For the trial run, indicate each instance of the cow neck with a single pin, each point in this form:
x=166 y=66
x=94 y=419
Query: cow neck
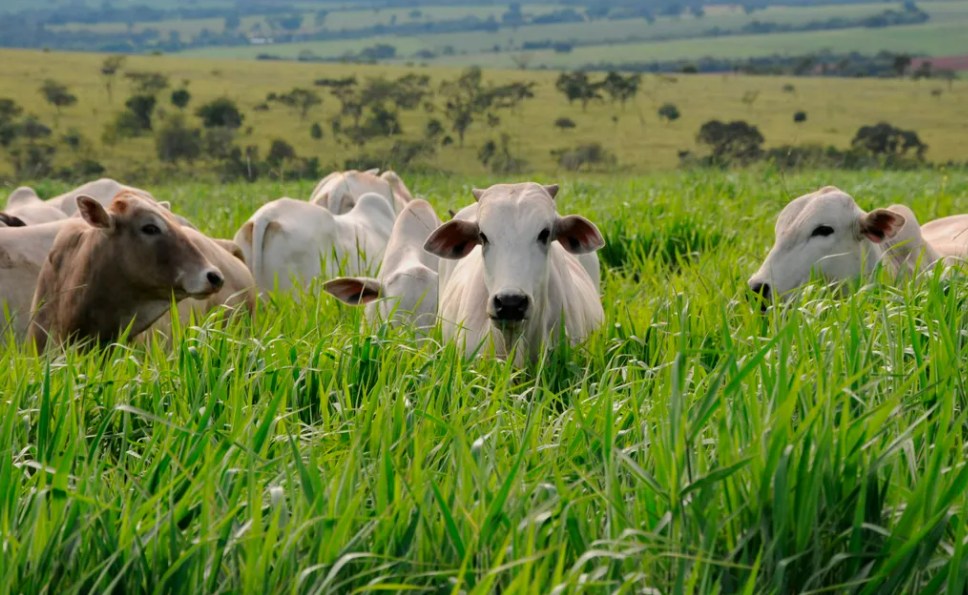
x=904 y=260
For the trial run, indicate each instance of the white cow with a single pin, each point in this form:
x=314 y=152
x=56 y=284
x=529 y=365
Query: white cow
x=516 y=277
x=825 y=231
x=948 y=236
x=103 y=191
x=24 y=204
x=291 y=242
x=407 y=282
x=339 y=191
x=23 y=251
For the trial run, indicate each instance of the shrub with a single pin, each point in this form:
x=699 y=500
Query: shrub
x=669 y=112
x=800 y=117
x=180 y=98
x=176 y=141
x=590 y=155
x=564 y=123
x=221 y=112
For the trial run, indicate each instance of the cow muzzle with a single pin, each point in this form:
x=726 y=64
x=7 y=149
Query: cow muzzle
x=509 y=307
x=204 y=283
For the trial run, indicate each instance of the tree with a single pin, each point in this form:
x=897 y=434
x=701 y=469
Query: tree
x=147 y=83
x=901 y=63
x=9 y=129
x=141 y=107
x=180 y=98
x=800 y=117
x=109 y=70
x=885 y=140
x=669 y=112
x=576 y=86
x=620 y=88
x=467 y=99
x=57 y=95
x=730 y=142
x=221 y=112
x=279 y=153
x=316 y=131
x=175 y=141
x=498 y=158
x=300 y=100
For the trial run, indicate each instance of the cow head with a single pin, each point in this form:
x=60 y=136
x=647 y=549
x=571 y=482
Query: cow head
x=515 y=228
x=824 y=232
x=148 y=248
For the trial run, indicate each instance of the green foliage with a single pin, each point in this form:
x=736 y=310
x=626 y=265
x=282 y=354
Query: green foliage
x=669 y=112
x=180 y=98
x=221 y=113
x=176 y=141
x=57 y=94
x=589 y=156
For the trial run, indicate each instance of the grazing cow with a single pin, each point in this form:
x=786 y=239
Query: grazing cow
x=516 y=277
x=827 y=232
x=237 y=293
x=24 y=204
x=116 y=267
x=407 y=282
x=8 y=220
x=339 y=191
x=23 y=251
x=291 y=242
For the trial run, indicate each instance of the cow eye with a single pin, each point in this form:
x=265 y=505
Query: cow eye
x=543 y=236
x=822 y=230
x=483 y=240
x=150 y=229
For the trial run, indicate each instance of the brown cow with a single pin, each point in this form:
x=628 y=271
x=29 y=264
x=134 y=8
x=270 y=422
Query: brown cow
x=116 y=267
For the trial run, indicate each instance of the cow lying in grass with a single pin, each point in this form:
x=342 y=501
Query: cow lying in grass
x=511 y=277
x=116 y=267
x=826 y=233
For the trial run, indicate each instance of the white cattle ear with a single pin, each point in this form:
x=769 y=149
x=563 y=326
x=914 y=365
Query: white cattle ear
x=165 y=204
x=454 y=239
x=880 y=224
x=478 y=192
x=354 y=291
x=578 y=235
x=93 y=212
x=552 y=189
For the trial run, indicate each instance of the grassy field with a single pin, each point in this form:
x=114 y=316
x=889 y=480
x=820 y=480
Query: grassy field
x=641 y=142
x=635 y=40
x=692 y=445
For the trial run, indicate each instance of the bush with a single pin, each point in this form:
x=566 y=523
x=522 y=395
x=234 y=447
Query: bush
x=885 y=140
x=564 y=123
x=221 y=112
x=279 y=152
x=180 y=98
x=141 y=107
x=800 y=117
x=734 y=142
x=176 y=141
x=669 y=112
x=316 y=131
x=590 y=155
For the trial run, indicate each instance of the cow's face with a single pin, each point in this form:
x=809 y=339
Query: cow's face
x=825 y=232
x=149 y=250
x=516 y=225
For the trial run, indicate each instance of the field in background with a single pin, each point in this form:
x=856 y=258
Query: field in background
x=632 y=40
x=692 y=444
x=836 y=108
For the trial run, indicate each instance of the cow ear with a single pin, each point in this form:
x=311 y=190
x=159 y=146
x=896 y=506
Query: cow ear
x=165 y=204
x=454 y=239
x=478 y=193
x=355 y=291
x=552 y=190
x=578 y=235
x=880 y=224
x=93 y=212
x=11 y=220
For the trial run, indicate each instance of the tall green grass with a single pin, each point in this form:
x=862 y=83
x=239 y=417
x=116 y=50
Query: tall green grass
x=692 y=445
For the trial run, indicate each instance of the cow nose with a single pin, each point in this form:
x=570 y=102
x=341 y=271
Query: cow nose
x=215 y=278
x=760 y=289
x=510 y=306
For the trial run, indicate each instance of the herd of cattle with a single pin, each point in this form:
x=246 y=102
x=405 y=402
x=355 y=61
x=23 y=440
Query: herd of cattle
x=504 y=271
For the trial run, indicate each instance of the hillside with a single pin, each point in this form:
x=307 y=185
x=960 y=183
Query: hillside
x=636 y=135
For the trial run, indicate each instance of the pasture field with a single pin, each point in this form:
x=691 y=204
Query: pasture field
x=631 y=40
x=692 y=445
x=836 y=108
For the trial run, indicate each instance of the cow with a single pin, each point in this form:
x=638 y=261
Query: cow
x=405 y=290
x=23 y=251
x=24 y=204
x=289 y=242
x=115 y=268
x=827 y=233
x=339 y=191
x=948 y=236
x=103 y=191
x=516 y=277
x=237 y=294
